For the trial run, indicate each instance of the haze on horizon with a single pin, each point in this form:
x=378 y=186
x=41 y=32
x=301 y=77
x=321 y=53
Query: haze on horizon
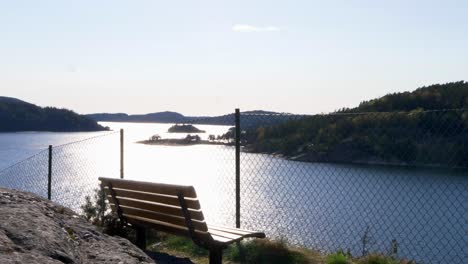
x=209 y=57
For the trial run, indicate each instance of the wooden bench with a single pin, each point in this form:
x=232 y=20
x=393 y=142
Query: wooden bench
x=173 y=209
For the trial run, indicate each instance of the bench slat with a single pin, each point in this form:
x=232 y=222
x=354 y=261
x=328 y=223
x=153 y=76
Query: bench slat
x=157 y=188
x=170 y=219
x=165 y=227
x=160 y=208
x=224 y=234
x=233 y=231
x=237 y=231
x=151 y=197
x=221 y=239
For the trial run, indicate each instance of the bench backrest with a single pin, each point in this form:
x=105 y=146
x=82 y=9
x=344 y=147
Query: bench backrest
x=156 y=203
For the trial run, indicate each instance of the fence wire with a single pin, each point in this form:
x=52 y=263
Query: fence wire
x=76 y=167
x=214 y=172
x=29 y=174
x=391 y=183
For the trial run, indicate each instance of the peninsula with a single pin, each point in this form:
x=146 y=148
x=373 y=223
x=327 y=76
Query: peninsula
x=17 y=115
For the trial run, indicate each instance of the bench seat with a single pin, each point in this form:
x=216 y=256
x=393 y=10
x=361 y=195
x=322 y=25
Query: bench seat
x=173 y=209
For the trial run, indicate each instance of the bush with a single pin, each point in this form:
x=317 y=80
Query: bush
x=338 y=258
x=96 y=210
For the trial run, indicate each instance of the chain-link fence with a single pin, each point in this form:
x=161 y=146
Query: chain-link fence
x=211 y=163
x=73 y=169
x=77 y=166
x=393 y=183
x=29 y=174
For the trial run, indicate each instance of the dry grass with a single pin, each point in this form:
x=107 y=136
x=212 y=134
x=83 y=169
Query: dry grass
x=256 y=251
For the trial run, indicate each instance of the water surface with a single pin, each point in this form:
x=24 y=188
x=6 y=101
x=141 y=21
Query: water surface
x=318 y=205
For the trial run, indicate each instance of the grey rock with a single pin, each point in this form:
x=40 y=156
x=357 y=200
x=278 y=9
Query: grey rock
x=35 y=230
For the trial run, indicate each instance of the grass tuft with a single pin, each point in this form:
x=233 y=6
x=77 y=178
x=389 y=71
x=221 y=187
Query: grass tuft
x=184 y=244
x=377 y=259
x=258 y=251
x=338 y=258
x=264 y=251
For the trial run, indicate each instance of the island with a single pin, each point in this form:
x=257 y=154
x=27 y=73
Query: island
x=184 y=129
x=189 y=140
x=17 y=115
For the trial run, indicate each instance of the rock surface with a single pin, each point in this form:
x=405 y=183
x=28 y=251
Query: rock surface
x=35 y=230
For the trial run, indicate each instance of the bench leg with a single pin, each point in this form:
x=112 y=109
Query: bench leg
x=216 y=255
x=141 y=237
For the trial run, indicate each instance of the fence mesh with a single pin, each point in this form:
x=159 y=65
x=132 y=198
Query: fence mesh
x=392 y=183
x=76 y=167
x=28 y=175
x=213 y=175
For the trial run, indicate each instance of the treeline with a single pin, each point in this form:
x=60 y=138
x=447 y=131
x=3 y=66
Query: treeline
x=404 y=128
x=17 y=115
x=434 y=97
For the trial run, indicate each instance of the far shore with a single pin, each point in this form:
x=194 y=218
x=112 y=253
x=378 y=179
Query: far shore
x=182 y=142
x=298 y=158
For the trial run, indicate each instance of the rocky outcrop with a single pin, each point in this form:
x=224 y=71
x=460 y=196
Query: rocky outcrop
x=35 y=230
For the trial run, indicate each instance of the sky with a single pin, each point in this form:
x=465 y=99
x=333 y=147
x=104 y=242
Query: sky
x=202 y=57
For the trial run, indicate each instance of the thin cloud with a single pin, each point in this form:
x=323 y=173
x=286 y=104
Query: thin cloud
x=244 y=28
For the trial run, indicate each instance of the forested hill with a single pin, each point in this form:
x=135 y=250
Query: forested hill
x=394 y=129
x=174 y=117
x=17 y=115
x=452 y=95
x=160 y=117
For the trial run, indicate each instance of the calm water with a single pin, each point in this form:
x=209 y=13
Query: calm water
x=323 y=206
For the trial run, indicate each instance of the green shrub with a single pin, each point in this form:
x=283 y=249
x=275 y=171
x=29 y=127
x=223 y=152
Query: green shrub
x=97 y=211
x=183 y=244
x=338 y=258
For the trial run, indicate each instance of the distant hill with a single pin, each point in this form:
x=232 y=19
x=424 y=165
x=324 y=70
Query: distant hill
x=17 y=115
x=173 y=117
x=161 y=117
x=248 y=118
x=11 y=100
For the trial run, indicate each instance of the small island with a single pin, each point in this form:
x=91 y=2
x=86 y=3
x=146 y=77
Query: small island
x=184 y=129
x=187 y=141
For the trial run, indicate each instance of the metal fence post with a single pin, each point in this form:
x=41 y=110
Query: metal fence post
x=121 y=153
x=49 y=178
x=238 y=131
